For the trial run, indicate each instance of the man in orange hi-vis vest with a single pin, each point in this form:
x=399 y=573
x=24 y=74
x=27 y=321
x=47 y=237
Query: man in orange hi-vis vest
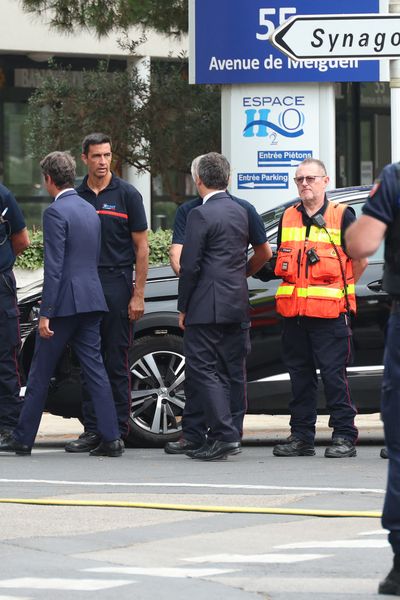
x=316 y=299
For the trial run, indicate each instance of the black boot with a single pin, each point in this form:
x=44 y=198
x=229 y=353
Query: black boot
x=391 y=584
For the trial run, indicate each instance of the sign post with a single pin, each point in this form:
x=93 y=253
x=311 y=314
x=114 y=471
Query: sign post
x=276 y=109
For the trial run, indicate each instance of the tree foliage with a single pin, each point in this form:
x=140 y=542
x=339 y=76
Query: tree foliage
x=159 y=127
x=62 y=110
x=104 y=16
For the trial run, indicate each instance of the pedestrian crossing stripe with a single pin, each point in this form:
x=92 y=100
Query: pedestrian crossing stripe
x=49 y=583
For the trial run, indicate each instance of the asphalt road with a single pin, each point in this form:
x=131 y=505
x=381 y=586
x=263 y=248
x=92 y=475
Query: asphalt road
x=123 y=552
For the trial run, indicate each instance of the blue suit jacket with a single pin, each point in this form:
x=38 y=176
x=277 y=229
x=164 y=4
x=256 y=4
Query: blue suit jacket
x=212 y=281
x=71 y=231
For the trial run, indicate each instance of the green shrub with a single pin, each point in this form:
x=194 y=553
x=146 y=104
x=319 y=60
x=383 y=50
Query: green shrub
x=159 y=242
x=32 y=258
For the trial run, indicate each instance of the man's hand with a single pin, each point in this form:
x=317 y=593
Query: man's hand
x=44 y=329
x=136 y=307
x=182 y=320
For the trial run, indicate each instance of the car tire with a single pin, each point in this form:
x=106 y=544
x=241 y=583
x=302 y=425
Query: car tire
x=157 y=366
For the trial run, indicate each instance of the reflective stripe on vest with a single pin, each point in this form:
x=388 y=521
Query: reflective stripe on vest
x=314 y=290
x=306 y=285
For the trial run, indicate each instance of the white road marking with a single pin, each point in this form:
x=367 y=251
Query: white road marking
x=376 y=532
x=178 y=573
x=255 y=558
x=138 y=484
x=42 y=583
x=336 y=544
x=14 y=597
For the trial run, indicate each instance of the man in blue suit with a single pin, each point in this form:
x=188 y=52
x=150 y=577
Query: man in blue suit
x=213 y=303
x=71 y=309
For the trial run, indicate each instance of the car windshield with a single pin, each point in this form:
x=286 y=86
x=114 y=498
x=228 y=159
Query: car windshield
x=271 y=217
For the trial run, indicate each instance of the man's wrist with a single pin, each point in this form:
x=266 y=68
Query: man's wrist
x=137 y=292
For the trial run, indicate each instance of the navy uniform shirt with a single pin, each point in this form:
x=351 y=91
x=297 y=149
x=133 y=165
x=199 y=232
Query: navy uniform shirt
x=121 y=211
x=384 y=199
x=13 y=222
x=257 y=233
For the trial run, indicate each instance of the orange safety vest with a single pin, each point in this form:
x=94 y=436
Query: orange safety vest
x=313 y=290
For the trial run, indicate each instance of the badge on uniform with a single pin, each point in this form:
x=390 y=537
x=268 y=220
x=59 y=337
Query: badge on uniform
x=375 y=188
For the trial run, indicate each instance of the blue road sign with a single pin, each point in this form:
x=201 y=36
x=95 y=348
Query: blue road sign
x=251 y=181
x=230 y=42
x=282 y=158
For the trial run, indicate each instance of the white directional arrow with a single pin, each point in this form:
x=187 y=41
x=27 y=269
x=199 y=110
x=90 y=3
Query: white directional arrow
x=366 y=36
x=265 y=185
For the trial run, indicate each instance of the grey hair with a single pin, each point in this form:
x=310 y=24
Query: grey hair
x=61 y=167
x=194 y=168
x=94 y=139
x=214 y=171
x=314 y=161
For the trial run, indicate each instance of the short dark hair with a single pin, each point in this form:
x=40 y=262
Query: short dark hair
x=214 y=170
x=61 y=167
x=93 y=139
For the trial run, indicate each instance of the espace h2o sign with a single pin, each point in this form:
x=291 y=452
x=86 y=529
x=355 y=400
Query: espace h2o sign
x=276 y=132
x=229 y=43
x=289 y=122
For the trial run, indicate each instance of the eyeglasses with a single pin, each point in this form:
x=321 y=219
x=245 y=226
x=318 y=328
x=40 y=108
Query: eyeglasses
x=309 y=179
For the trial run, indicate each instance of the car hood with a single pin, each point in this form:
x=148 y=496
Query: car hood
x=33 y=290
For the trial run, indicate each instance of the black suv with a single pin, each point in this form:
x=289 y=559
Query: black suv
x=158 y=364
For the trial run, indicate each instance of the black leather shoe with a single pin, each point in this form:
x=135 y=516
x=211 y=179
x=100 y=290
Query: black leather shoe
x=88 y=440
x=9 y=444
x=217 y=450
x=341 y=448
x=114 y=448
x=294 y=447
x=391 y=584
x=181 y=446
x=192 y=453
x=384 y=453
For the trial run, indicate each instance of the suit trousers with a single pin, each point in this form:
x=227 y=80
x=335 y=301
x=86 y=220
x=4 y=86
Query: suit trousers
x=324 y=344
x=10 y=385
x=116 y=339
x=215 y=381
x=82 y=331
x=390 y=411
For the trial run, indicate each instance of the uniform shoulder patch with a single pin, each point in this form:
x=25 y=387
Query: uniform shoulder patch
x=375 y=188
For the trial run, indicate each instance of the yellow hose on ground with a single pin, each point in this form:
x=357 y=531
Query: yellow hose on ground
x=309 y=512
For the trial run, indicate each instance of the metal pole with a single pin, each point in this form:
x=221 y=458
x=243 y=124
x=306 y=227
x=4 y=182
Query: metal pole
x=394 y=7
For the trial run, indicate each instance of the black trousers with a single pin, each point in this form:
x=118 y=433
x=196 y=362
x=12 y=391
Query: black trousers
x=215 y=382
x=390 y=412
x=116 y=339
x=10 y=403
x=325 y=344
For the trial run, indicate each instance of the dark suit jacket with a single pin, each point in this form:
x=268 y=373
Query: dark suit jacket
x=212 y=282
x=71 y=231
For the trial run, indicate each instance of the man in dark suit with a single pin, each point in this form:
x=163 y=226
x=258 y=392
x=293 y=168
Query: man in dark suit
x=213 y=304
x=71 y=309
